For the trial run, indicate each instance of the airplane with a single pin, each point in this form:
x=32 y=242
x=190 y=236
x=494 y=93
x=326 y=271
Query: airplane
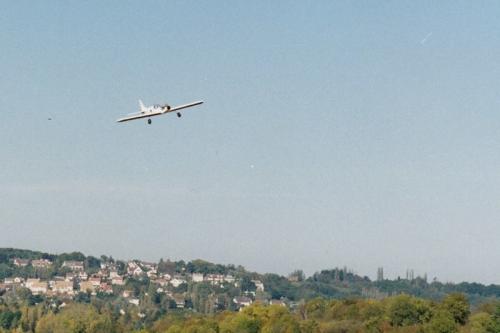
x=156 y=110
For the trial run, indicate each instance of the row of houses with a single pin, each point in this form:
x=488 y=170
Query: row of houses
x=37 y=263
x=58 y=286
x=77 y=278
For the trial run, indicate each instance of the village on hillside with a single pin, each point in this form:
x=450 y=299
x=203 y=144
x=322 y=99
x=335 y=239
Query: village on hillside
x=118 y=280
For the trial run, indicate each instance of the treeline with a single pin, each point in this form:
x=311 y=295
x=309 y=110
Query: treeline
x=398 y=314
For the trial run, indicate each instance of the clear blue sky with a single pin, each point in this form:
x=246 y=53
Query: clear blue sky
x=334 y=133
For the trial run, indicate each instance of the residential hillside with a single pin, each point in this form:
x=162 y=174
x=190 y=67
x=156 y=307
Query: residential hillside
x=41 y=292
x=200 y=285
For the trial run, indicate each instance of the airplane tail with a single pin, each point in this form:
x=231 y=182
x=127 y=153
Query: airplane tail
x=141 y=106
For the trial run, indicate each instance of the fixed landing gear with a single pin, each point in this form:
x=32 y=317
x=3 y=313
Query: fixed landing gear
x=149 y=121
x=179 y=114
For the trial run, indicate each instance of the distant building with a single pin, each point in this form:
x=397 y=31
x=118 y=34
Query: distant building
x=229 y=278
x=70 y=276
x=36 y=286
x=410 y=274
x=118 y=280
x=242 y=301
x=259 y=285
x=14 y=280
x=21 y=262
x=106 y=288
x=177 y=281
x=180 y=301
x=87 y=286
x=63 y=287
x=215 y=278
x=41 y=263
x=277 y=302
x=95 y=280
x=197 y=277
x=380 y=274
x=113 y=273
x=134 y=301
x=149 y=265
x=136 y=271
x=74 y=265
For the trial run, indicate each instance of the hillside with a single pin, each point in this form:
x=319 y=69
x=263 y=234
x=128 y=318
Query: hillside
x=71 y=292
x=196 y=279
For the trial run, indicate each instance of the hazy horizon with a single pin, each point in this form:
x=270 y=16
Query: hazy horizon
x=333 y=133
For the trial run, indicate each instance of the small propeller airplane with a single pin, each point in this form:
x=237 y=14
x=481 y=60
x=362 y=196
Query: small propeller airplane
x=156 y=110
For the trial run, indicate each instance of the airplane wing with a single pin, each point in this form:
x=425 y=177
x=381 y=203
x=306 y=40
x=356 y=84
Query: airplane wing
x=139 y=116
x=180 y=107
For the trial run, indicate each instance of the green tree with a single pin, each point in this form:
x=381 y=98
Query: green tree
x=442 y=322
x=458 y=306
x=77 y=318
x=479 y=322
x=403 y=311
x=494 y=325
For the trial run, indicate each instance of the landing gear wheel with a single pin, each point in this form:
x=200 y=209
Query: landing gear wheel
x=179 y=114
x=149 y=121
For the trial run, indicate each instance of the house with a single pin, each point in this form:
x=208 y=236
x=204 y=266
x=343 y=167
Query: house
x=63 y=287
x=74 y=265
x=127 y=293
x=105 y=265
x=14 y=280
x=177 y=281
x=259 y=285
x=133 y=268
x=70 y=276
x=197 y=277
x=83 y=275
x=136 y=272
x=106 y=288
x=36 y=286
x=161 y=282
x=41 y=263
x=117 y=281
x=148 y=265
x=29 y=282
x=152 y=274
x=242 y=301
x=87 y=286
x=95 y=280
x=103 y=273
x=21 y=262
x=279 y=302
x=180 y=301
x=229 y=278
x=113 y=273
x=214 y=278
x=134 y=301
x=132 y=265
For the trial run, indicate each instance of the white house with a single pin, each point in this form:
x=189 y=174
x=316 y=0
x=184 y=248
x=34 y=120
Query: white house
x=41 y=263
x=63 y=287
x=242 y=301
x=259 y=285
x=118 y=280
x=74 y=265
x=177 y=282
x=197 y=277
